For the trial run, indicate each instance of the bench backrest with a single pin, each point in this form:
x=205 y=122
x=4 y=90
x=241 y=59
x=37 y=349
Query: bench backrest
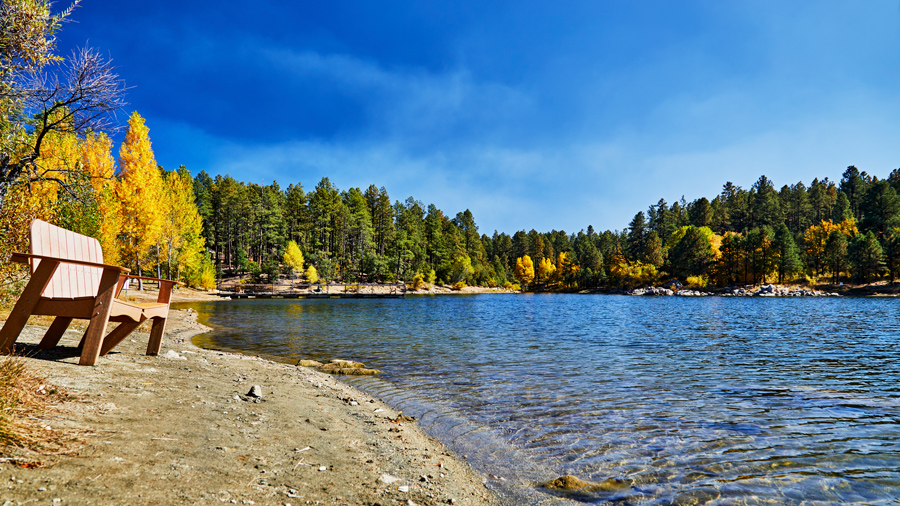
x=69 y=281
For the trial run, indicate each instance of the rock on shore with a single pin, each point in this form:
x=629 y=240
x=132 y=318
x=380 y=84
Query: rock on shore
x=760 y=291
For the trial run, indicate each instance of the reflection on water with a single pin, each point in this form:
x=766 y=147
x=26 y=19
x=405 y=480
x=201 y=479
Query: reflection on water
x=681 y=401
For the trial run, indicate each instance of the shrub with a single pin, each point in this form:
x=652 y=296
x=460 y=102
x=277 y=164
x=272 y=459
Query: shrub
x=25 y=400
x=697 y=281
x=459 y=285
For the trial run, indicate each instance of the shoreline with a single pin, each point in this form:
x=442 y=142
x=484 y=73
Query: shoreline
x=181 y=427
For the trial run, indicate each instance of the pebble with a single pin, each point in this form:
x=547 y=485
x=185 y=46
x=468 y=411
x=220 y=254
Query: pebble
x=403 y=488
x=388 y=479
x=42 y=489
x=323 y=468
x=255 y=391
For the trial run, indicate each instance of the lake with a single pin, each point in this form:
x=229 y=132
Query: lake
x=667 y=400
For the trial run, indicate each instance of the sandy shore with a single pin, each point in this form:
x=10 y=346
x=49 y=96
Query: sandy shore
x=181 y=428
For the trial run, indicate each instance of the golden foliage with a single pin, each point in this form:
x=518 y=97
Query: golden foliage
x=817 y=235
x=524 y=269
x=546 y=270
x=631 y=274
x=312 y=276
x=140 y=194
x=293 y=258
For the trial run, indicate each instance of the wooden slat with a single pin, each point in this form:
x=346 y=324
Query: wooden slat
x=70 y=280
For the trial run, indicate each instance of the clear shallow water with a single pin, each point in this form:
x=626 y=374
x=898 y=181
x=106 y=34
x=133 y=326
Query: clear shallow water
x=679 y=400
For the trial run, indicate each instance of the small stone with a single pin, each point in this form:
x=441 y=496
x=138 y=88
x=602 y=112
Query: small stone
x=198 y=386
x=354 y=403
x=236 y=397
x=255 y=391
x=410 y=503
x=323 y=468
x=403 y=488
x=57 y=500
x=42 y=489
x=388 y=479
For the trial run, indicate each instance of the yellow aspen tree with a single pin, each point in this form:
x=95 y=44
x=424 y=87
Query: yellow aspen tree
x=816 y=236
x=546 y=269
x=98 y=163
x=181 y=238
x=140 y=195
x=524 y=269
x=312 y=275
x=293 y=258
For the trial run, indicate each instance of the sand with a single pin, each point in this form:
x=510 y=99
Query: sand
x=180 y=428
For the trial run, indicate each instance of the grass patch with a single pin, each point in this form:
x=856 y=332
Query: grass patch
x=27 y=403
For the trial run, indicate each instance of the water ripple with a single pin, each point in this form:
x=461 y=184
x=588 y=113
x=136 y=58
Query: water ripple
x=679 y=401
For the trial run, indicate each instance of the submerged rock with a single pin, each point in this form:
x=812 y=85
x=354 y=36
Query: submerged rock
x=339 y=367
x=569 y=483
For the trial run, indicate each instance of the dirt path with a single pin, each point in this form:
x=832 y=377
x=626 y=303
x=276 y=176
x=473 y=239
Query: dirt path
x=180 y=429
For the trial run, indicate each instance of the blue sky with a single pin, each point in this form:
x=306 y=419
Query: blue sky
x=545 y=115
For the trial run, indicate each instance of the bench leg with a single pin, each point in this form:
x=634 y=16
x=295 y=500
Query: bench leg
x=156 y=335
x=93 y=338
x=117 y=336
x=18 y=317
x=55 y=332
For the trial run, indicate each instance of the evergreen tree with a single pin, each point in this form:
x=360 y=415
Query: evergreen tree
x=296 y=215
x=891 y=249
x=653 y=254
x=637 y=236
x=841 y=210
x=853 y=185
x=866 y=256
x=822 y=196
x=836 y=254
x=762 y=254
x=691 y=255
x=880 y=208
x=788 y=254
x=765 y=209
x=728 y=268
x=700 y=213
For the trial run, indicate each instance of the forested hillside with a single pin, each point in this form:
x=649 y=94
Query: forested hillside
x=826 y=231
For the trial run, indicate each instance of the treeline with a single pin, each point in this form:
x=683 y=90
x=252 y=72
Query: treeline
x=826 y=231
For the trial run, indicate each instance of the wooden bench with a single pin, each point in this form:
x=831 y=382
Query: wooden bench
x=69 y=280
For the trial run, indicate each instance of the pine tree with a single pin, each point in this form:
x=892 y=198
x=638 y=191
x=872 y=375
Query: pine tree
x=836 y=254
x=866 y=256
x=637 y=236
x=788 y=255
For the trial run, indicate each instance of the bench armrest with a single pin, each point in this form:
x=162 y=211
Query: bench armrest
x=145 y=278
x=23 y=258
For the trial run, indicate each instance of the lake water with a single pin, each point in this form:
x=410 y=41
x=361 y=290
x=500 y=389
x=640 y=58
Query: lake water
x=666 y=400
